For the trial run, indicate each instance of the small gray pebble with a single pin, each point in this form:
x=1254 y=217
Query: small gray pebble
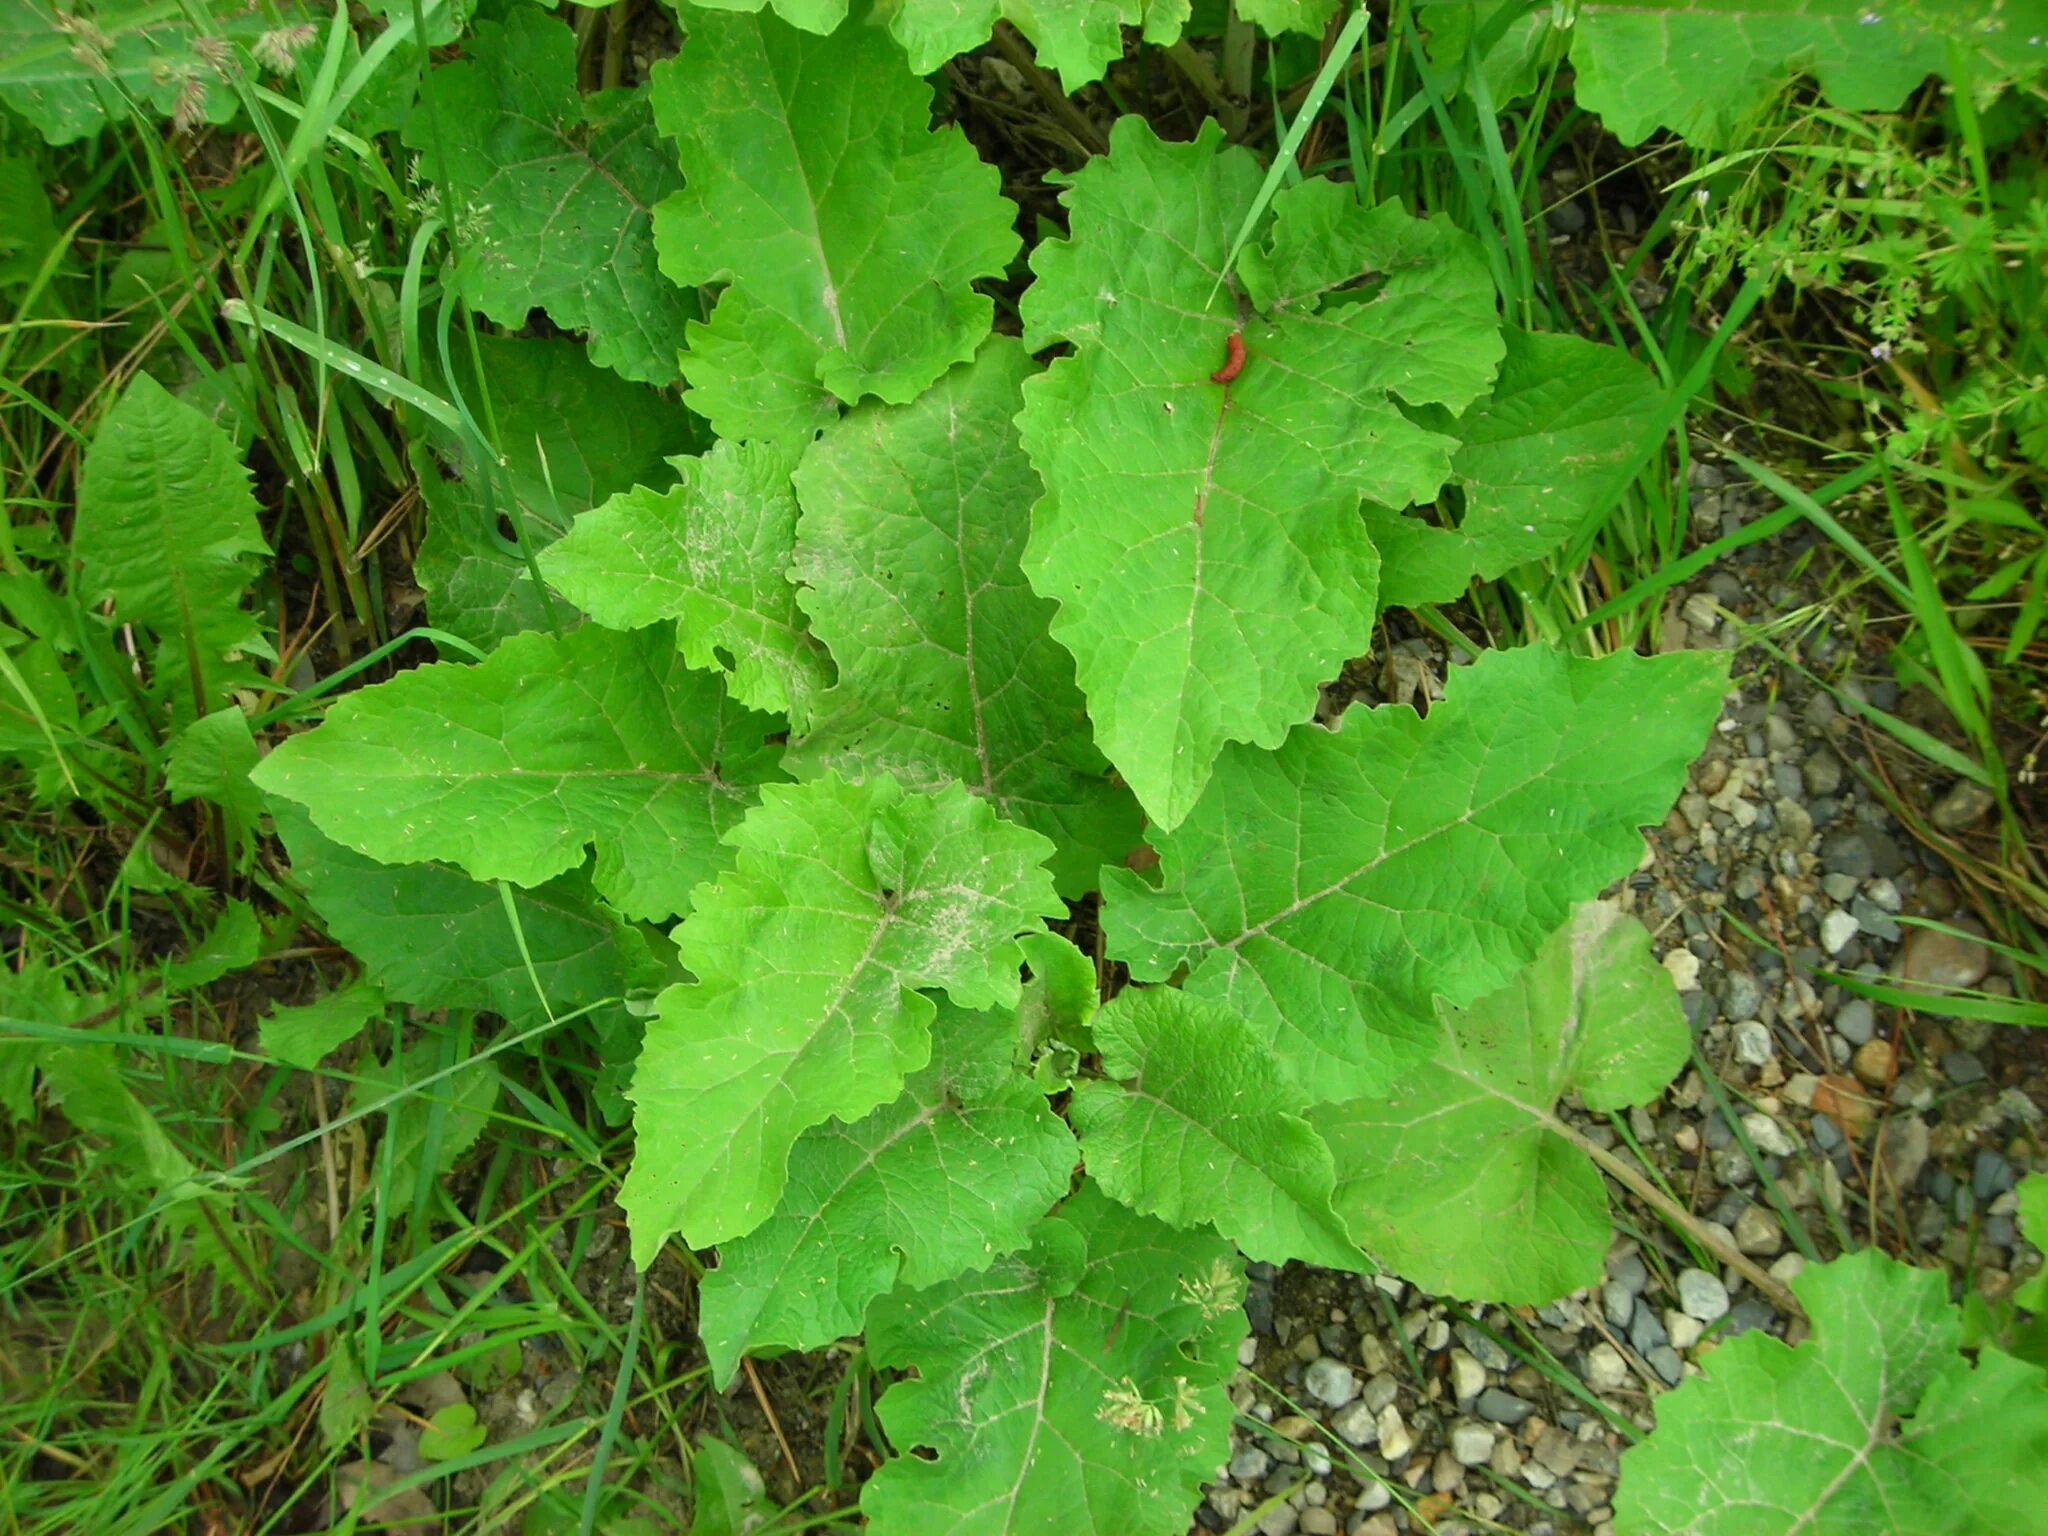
x=1790 y=782
x=1250 y=1464
x=1752 y=1043
x=1646 y=1329
x=1751 y=1313
x=1486 y=1351
x=1617 y=1301
x=1874 y=920
x=1742 y=996
x=1856 y=1020
x=1826 y=1134
x=1629 y=1271
x=1940 y=1184
x=1733 y=1168
x=1503 y=1407
x=1665 y=1362
x=1566 y=218
x=1380 y=1391
x=1715 y=1130
x=1998 y=1231
x=1839 y=887
x=1990 y=1175
x=1258 y=1306
x=1329 y=1382
x=1356 y=1423
x=1702 y=1295
x=1962 y=1068
x=1823 y=771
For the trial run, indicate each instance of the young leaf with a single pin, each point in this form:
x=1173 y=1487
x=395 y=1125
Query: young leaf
x=1077 y=1388
x=165 y=521
x=1533 y=457
x=1874 y=1424
x=453 y=1431
x=846 y=898
x=555 y=190
x=711 y=553
x=1331 y=891
x=1187 y=1137
x=939 y=1181
x=568 y=435
x=849 y=232
x=211 y=759
x=1203 y=540
x=1059 y=1001
x=302 y=1036
x=431 y=936
x=509 y=769
x=1471 y=1145
x=913 y=520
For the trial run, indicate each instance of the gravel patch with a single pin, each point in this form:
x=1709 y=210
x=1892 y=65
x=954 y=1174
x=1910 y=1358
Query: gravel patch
x=1779 y=864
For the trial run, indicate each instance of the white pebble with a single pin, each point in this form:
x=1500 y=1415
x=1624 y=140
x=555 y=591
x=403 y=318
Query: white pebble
x=1702 y=1295
x=1605 y=1368
x=1471 y=1443
x=1837 y=929
x=1395 y=1439
x=1752 y=1042
x=1329 y=1382
x=1767 y=1136
x=1684 y=967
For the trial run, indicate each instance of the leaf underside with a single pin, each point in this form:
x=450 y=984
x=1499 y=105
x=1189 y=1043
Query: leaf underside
x=1470 y=1145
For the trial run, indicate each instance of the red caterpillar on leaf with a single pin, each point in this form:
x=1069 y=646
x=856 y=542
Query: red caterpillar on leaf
x=1233 y=363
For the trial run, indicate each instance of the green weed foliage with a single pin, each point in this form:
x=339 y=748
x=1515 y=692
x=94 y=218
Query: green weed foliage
x=861 y=703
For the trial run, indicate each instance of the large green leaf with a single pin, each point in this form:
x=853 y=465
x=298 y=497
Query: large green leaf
x=431 y=936
x=568 y=435
x=1330 y=891
x=809 y=953
x=848 y=231
x=1078 y=38
x=511 y=768
x=1533 y=459
x=1471 y=1144
x=1194 y=1132
x=939 y=1181
x=1875 y=1426
x=1077 y=1388
x=913 y=520
x=1204 y=542
x=1703 y=68
x=70 y=69
x=712 y=554
x=165 y=524
x=555 y=191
